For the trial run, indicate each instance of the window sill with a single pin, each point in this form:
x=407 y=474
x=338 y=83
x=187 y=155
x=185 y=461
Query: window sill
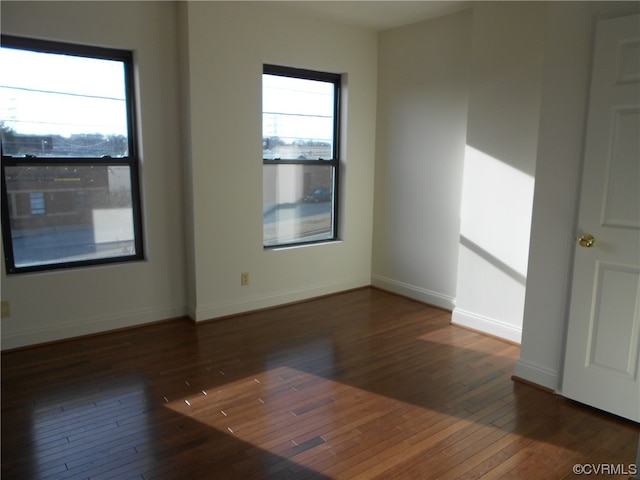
x=305 y=245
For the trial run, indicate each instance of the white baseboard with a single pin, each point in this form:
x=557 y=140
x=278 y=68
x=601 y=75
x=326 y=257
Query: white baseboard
x=487 y=325
x=282 y=298
x=537 y=374
x=110 y=322
x=90 y=326
x=412 y=291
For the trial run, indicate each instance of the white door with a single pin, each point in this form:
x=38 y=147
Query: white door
x=602 y=362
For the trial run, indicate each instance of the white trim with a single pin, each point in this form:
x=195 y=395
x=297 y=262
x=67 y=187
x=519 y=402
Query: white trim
x=487 y=325
x=137 y=318
x=537 y=374
x=281 y=298
x=414 y=292
x=95 y=325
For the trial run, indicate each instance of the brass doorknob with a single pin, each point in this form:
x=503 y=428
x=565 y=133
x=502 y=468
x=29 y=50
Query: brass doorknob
x=586 y=241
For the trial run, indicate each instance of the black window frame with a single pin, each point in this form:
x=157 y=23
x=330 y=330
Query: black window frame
x=131 y=161
x=334 y=162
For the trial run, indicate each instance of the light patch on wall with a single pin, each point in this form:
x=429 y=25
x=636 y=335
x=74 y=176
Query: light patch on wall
x=497 y=202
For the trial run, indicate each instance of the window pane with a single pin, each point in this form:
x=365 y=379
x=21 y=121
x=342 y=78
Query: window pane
x=298 y=203
x=297 y=118
x=69 y=214
x=56 y=105
x=37 y=203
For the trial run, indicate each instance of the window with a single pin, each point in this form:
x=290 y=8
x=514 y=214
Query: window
x=300 y=115
x=70 y=193
x=37 y=203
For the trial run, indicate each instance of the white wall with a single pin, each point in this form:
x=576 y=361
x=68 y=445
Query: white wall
x=228 y=44
x=200 y=120
x=423 y=93
x=504 y=108
x=458 y=113
x=529 y=70
x=51 y=306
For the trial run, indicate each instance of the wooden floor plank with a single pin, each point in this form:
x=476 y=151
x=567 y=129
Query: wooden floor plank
x=363 y=384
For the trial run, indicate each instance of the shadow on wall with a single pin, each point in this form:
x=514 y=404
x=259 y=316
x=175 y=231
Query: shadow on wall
x=495 y=261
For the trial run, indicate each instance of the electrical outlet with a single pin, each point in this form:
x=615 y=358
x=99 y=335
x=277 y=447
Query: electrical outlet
x=244 y=279
x=6 y=308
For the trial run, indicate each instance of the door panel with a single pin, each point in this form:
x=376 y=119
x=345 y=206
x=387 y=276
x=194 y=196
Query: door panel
x=622 y=196
x=613 y=332
x=602 y=360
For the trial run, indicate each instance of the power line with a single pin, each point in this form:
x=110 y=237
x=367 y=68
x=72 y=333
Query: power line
x=297 y=114
x=62 y=93
x=41 y=122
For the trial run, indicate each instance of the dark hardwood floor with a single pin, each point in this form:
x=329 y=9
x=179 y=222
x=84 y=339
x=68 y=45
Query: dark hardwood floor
x=363 y=384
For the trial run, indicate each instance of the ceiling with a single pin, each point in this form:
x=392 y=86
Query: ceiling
x=378 y=15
